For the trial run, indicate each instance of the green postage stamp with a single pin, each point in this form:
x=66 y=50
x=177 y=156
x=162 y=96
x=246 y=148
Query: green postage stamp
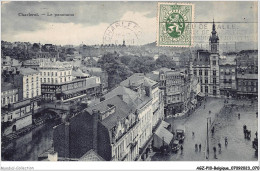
x=174 y=22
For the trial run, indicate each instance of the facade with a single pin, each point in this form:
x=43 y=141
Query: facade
x=119 y=128
x=16 y=116
x=28 y=83
x=9 y=94
x=78 y=89
x=175 y=88
x=227 y=78
x=206 y=66
x=247 y=74
x=55 y=72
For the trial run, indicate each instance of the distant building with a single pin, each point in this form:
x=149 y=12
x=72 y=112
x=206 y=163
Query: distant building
x=227 y=78
x=78 y=89
x=55 y=72
x=9 y=94
x=247 y=74
x=28 y=82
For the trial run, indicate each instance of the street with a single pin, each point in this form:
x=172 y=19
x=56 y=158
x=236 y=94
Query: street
x=226 y=125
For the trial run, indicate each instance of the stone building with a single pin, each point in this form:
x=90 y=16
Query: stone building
x=16 y=116
x=247 y=74
x=27 y=81
x=9 y=94
x=55 y=72
x=227 y=78
x=206 y=66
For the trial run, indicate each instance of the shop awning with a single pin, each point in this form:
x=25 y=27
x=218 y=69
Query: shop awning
x=165 y=124
x=164 y=134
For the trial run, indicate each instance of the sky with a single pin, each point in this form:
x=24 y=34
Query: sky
x=91 y=19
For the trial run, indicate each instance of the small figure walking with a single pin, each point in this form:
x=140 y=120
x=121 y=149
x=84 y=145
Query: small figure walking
x=256 y=134
x=226 y=141
x=215 y=149
x=238 y=115
x=200 y=147
x=181 y=149
x=193 y=134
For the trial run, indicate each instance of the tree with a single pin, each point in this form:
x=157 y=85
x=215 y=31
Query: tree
x=36 y=47
x=116 y=70
x=142 y=64
x=164 y=61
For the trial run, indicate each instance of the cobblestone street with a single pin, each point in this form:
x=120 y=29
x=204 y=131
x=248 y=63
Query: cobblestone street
x=226 y=124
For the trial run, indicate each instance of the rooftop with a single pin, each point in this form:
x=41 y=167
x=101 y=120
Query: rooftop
x=28 y=71
x=91 y=155
x=122 y=110
x=138 y=79
x=7 y=86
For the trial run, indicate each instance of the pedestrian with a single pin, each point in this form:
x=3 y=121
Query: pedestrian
x=226 y=141
x=256 y=114
x=238 y=115
x=181 y=148
x=200 y=147
x=204 y=106
x=193 y=134
x=256 y=134
x=215 y=149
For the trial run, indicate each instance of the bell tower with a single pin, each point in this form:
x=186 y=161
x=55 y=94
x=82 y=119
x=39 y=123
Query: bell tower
x=214 y=40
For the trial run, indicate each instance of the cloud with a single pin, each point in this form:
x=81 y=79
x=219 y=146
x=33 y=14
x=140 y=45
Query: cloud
x=92 y=18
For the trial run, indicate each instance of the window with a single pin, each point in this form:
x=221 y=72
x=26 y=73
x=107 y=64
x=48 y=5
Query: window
x=201 y=89
x=214 y=81
x=56 y=74
x=45 y=80
x=206 y=72
x=200 y=80
x=214 y=62
x=48 y=73
x=27 y=80
x=206 y=89
x=200 y=72
x=214 y=72
x=48 y=80
x=206 y=80
x=195 y=72
x=44 y=73
x=32 y=79
x=51 y=73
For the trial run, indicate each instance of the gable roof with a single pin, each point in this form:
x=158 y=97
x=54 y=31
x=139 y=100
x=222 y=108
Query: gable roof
x=137 y=79
x=122 y=110
x=28 y=71
x=91 y=155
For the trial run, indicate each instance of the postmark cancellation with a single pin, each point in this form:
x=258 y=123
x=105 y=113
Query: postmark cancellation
x=174 y=24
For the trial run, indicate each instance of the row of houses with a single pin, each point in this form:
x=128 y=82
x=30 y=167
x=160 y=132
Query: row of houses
x=120 y=127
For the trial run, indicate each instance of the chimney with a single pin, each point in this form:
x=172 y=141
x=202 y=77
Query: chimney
x=95 y=114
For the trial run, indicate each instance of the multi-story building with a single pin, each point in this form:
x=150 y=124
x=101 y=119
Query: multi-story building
x=78 y=89
x=247 y=74
x=206 y=66
x=16 y=116
x=120 y=127
x=175 y=88
x=9 y=94
x=227 y=78
x=28 y=83
x=55 y=72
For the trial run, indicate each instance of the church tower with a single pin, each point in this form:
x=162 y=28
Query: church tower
x=214 y=63
x=214 y=40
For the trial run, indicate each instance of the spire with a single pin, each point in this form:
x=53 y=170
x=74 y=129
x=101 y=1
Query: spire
x=213 y=27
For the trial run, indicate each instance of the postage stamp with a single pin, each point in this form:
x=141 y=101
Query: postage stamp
x=174 y=24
